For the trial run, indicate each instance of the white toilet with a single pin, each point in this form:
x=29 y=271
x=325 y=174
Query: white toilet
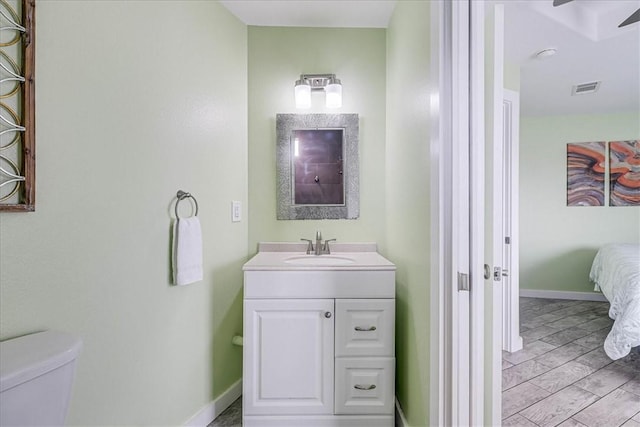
x=36 y=375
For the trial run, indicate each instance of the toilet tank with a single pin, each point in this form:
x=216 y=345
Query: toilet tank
x=36 y=375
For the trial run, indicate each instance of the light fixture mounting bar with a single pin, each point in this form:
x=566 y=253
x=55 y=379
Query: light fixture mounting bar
x=318 y=81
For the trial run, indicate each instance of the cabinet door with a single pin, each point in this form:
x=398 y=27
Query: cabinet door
x=288 y=356
x=365 y=327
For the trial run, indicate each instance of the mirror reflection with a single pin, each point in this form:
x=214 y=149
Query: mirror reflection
x=317 y=163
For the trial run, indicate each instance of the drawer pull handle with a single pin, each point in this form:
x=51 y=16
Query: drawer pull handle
x=363 y=329
x=364 y=387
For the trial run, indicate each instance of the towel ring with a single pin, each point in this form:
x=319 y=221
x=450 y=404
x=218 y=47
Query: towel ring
x=184 y=195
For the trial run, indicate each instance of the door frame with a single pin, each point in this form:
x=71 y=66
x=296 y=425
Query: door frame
x=477 y=209
x=494 y=155
x=511 y=339
x=457 y=153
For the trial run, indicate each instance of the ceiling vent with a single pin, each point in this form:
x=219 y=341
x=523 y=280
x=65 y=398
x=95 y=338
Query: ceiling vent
x=585 y=88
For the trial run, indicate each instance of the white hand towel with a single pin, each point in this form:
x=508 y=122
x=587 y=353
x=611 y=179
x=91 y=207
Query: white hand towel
x=187 y=251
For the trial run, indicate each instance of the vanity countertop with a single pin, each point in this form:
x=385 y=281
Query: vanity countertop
x=352 y=270
x=293 y=257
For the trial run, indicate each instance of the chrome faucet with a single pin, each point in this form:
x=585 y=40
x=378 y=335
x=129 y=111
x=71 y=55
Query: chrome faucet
x=309 y=246
x=326 y=249
x=318 y=243
x=318 y=248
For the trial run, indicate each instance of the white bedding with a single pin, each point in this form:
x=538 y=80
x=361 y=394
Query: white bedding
x=616 y=272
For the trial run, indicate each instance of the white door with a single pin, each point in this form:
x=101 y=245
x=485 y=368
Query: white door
x=457 y=365
x=290 y=367
x=511 y=340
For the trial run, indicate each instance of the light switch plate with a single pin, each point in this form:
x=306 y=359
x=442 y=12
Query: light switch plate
x=236 y=211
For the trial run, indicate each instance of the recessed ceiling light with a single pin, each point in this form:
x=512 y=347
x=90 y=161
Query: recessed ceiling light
x=545 y=53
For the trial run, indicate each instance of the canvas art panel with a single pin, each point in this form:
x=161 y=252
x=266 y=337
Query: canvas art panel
x=585 y=173
x=624 y=173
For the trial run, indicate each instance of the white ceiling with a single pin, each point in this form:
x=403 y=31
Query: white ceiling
x=589 y=45
x=313 y=13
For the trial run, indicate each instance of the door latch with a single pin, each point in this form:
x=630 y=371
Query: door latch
x=463 y=282
x=497 y=274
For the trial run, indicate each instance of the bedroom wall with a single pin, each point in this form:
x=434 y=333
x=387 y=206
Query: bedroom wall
x=558 y=242
x=511 y=76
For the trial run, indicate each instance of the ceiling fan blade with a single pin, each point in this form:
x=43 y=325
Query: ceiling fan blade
x=560 y=2
x=635 y=17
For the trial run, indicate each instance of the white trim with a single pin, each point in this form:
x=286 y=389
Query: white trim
x=458 y=176
x=494 y=145
x=580 y=296
x=401 y=420
x=511 y=339
x=477 y=214
x=439 y=400
x=210 y=412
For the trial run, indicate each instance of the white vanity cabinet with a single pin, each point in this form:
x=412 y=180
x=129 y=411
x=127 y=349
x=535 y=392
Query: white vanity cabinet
x=319 y=347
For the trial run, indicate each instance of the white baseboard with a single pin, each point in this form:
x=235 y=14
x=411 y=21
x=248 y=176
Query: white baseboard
x=581 y=296
x=401 y=420
x=210 y=411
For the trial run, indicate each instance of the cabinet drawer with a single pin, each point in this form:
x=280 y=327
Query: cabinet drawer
x=364 y=385
x=365 y=327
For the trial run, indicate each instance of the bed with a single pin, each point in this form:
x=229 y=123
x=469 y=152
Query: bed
x=616 y=273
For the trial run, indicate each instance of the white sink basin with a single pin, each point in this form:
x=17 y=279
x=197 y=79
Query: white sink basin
x=320 y=260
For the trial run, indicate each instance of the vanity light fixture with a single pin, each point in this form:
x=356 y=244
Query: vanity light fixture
x=318 y=82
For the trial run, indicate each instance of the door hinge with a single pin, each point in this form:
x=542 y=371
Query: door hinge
x=463 y=281
x=507 y=240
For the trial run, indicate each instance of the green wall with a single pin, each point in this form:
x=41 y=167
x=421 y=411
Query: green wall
x=127 y=115
x=384 y=76
x=558 y=243
x=135 y=100
x=408 y=200
x=511 y=76
x=277 y=57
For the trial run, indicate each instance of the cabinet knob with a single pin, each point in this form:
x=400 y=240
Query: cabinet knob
x=327 y=314
x=364 y=387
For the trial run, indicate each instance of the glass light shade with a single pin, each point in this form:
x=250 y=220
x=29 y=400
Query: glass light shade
x=334 y=94
x=303 y=94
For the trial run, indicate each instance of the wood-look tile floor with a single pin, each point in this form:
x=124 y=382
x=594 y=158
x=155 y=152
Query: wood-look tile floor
x=231 y=417
x=562 y=376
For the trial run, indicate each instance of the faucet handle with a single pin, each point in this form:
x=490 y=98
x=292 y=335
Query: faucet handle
x=327 y=249
x=309 y=246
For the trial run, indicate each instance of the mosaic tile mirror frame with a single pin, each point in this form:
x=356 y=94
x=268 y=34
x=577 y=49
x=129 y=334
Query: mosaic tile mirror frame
x=317 y=166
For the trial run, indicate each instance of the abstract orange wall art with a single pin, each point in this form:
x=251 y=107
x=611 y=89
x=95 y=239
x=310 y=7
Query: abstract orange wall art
x=585 y=174
x=624 y=173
